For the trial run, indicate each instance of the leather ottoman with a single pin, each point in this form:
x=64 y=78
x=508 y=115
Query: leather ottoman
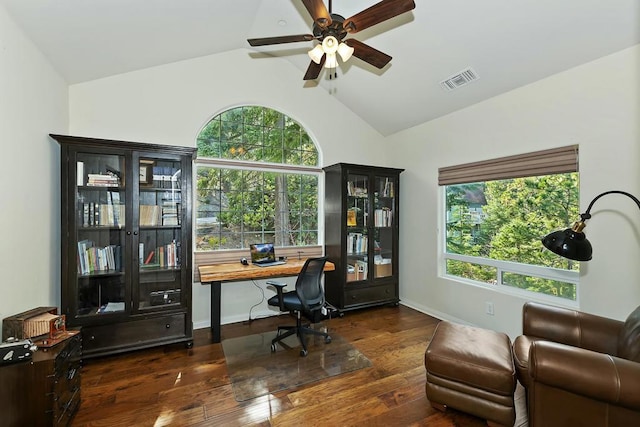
x=471 y=369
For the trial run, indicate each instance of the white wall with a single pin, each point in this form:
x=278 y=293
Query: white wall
x=33 y=103
x=169 y=105
x=597 y=106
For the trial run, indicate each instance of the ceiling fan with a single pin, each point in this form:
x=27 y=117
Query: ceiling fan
x=331 y=29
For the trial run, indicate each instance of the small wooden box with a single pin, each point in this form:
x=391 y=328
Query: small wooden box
x=14 y=326
x=383 y=270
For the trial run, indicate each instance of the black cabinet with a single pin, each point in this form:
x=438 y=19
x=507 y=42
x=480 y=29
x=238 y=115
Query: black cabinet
x=361 y=235
x=126 y=242
x=44 y=391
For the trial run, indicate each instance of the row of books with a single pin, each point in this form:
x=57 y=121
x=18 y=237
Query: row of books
x=383 y=217
x=102 y=180
x=162 y=256
x=153 y=215
x=357 y=243
x=105 y=214
x=93 y=259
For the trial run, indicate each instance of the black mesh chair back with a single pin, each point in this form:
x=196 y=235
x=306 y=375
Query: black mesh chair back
x=308 y=284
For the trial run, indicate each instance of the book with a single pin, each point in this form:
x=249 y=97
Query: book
x=80 y=174
x=351 y=217
x=149 y=257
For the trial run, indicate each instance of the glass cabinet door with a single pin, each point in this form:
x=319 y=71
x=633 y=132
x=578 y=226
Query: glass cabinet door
x=357 y=227
x=159 y=233
x=100 y=235
x=383 y=229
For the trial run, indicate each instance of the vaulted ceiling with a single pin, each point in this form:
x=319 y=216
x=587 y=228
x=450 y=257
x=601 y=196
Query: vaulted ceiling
x=506 y=43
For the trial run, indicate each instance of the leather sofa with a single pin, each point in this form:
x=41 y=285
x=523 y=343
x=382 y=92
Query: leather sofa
x=579 y=369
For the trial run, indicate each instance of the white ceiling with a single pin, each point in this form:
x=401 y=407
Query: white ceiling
x=509 y=43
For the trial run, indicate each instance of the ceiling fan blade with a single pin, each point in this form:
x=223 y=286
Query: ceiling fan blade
x=376 y=14
x=281 y=39
x=318 y=12
x=314 y=69
x=368 y=54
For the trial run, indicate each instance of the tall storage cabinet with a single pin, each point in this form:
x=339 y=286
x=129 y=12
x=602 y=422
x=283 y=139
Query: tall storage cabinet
x=126 y=243
x=361 y=235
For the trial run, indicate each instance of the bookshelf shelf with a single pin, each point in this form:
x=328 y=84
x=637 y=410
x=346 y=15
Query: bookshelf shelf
x=361 y=235
x=126 y=238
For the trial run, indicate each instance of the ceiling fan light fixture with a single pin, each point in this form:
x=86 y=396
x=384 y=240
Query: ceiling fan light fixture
x=345 y=51
x=332 y=61
x=330 y=45
x=316 y=54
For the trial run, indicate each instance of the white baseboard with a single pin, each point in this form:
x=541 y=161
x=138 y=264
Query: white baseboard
x=434 y=313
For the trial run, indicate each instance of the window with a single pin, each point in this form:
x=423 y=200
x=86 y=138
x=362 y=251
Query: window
x=493 y=225
x=257 y=181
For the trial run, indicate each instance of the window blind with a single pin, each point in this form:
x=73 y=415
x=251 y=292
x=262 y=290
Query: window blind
x=545 y=162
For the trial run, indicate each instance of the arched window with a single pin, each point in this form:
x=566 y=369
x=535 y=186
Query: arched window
x=257 y=181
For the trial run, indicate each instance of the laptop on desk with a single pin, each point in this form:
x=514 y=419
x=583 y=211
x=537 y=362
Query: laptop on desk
x=263 y=255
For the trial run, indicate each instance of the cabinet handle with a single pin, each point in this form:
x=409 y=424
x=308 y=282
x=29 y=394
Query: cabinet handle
x=167 y=326
x=71 y=374
x=128 y=233
x=135 y=233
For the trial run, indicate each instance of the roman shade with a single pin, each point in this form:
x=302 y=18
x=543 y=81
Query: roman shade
x=545 y=162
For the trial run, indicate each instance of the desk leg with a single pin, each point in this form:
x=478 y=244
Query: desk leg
x=215 y=311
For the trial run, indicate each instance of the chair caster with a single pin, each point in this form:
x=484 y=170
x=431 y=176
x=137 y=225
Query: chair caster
x=327 y=339
x=303 y=352
x=273 y=348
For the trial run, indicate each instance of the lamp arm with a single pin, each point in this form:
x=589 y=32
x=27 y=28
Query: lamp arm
x=587 y=214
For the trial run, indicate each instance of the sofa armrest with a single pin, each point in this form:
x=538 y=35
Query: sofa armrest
x=571 y=327
x=591 y=374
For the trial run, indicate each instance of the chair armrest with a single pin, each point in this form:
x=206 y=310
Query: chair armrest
x=279 y=286
x=587 y=373
x=571 y=327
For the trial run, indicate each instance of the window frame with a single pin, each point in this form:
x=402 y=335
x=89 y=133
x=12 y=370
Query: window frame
x=217 y=256
x=502 y=267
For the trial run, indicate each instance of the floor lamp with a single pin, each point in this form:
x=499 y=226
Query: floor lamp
x=572 y=243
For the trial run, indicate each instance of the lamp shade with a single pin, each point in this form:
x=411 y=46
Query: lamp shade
x=316 y=53
x=345 y=51
x=331 y=61
x=569 y=243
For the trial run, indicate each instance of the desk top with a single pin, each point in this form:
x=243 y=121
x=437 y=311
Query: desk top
x=234 y=271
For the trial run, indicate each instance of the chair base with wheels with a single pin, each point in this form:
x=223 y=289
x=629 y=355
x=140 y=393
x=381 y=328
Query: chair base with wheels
x=300 y=330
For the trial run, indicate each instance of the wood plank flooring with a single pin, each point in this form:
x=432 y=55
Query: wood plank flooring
x=175 y=386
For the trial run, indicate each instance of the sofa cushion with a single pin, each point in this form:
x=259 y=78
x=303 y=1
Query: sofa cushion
x=629 y=339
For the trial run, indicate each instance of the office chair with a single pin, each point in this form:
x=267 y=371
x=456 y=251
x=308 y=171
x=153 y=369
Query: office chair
x=307 y=300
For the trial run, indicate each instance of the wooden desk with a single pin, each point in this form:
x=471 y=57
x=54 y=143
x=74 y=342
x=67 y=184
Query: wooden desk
x=215 y=274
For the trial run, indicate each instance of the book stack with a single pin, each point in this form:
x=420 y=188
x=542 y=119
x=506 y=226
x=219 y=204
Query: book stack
x=103 y=180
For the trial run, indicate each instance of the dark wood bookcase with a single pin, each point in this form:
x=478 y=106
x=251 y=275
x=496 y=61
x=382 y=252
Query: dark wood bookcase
x=126 y=243
x=361 y=235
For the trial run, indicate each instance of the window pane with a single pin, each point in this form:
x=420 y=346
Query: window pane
x=246 y=208
x=505 y=220
x=544 y=286
x=478 y=272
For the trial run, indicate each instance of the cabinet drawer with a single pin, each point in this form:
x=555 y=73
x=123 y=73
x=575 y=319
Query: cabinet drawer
x=371 y=295
x=133 y=334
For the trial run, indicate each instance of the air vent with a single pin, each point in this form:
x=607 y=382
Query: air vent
x=460 y=79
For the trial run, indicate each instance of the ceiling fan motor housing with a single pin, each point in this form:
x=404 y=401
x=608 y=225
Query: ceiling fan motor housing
x=335 y=29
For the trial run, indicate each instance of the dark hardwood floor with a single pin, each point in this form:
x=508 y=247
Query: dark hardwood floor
x=175 y=386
